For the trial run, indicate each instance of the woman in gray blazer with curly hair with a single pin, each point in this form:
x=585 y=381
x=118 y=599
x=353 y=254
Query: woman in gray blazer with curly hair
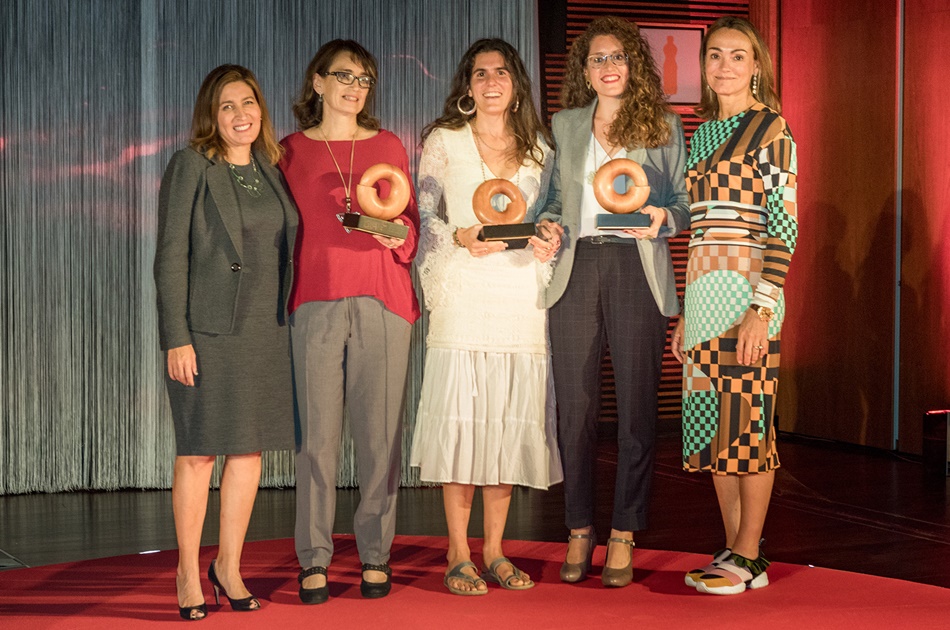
x=611 y=287
x=226 y=230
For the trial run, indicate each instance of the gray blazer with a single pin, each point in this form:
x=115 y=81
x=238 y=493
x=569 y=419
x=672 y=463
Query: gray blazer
x=198 y=257
x=666 y=171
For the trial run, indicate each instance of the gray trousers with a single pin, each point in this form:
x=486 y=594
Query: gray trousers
x=350 y=353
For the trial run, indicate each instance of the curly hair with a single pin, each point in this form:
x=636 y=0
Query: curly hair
x=205 y=137
x=765 y=91
x=523 y=119
x=641 y=120
x=308 y=108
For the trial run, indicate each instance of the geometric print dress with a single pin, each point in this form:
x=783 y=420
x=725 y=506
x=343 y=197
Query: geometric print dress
x=741 y=179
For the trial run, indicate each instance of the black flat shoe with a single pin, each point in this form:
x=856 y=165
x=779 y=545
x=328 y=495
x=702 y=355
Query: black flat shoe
x=193 y=613
x=246 y=604
x=313 y=595
x=375 y=590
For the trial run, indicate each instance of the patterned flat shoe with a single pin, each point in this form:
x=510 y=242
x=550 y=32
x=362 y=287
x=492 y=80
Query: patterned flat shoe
x=734 y=575
x=718 y=557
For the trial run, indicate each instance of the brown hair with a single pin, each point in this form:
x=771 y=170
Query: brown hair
x=308 y=108
x=205 y=137
x=641 y=120
x=524 y=122
x=709 y=104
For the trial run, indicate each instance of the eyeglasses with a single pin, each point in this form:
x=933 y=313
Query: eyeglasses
x=347 y=78
x=598 y=61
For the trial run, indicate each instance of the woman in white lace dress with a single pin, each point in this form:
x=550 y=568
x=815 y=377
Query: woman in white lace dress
x=486 y=415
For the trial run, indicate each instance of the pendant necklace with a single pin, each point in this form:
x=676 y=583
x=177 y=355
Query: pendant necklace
x=481 y=159
x=253 y=188
x=347 y=187
x=593 y=148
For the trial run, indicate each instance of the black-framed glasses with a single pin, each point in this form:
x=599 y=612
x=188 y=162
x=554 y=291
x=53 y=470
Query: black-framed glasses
x=598 y=61
x=347 y=78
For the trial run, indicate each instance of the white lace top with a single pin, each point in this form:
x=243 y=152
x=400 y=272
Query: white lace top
x=491 y=303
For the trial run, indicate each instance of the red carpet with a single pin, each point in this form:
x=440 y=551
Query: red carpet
x=139 y=591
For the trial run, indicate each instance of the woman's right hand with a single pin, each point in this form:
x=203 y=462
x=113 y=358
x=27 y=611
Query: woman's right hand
x=183 y=365
x=468 y=237
x=676 y=342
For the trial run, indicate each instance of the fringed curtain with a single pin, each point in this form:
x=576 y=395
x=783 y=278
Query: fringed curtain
x=95 y=96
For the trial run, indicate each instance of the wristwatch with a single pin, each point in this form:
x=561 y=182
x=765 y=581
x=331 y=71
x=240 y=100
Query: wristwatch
x=764 y=312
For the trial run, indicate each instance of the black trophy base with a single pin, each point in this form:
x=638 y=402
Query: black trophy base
x=363 y=223
x=516 y=234
x=618 y=222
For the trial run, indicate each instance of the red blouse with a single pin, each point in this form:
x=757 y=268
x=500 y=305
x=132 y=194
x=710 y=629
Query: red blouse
x=330 y=264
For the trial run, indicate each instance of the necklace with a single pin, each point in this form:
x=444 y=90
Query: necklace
x=481 y=159
x=347 y=186
x=482 y=140
x=607 y=157
x=253 y=188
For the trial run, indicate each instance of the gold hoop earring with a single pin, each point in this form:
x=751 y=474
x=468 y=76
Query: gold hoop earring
x=514 y=109
x=587 y=81
x=465 y=112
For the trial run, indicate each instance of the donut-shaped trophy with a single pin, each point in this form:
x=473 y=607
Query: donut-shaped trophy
x=504 y=225
x=380 y=212
x=622 y=206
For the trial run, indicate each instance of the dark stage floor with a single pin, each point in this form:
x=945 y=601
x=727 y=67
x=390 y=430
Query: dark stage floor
x=835 y=506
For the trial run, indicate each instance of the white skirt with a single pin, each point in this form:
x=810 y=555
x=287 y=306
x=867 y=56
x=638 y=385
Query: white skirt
x=487 y=418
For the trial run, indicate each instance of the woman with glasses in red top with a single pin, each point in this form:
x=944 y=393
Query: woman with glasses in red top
x=352 y=308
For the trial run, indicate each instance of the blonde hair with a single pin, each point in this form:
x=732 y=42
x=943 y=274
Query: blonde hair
x=765 y=90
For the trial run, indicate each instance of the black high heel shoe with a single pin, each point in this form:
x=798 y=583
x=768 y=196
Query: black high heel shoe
x=193 y=613
x=375 y=590
x=243 y=605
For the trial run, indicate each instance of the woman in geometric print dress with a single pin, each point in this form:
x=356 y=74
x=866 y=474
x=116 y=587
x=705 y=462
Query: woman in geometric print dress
x=741 y=178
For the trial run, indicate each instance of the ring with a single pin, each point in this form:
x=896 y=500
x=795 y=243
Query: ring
x=757 y=347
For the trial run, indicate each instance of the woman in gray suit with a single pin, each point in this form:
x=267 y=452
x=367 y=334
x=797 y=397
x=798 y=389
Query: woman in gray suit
x=613 y=287
x=226 y=230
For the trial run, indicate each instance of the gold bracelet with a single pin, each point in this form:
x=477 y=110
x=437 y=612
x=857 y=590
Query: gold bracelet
x=455 y=238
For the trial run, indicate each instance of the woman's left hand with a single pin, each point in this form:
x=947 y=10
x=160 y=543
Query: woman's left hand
x=545 y=248
x=753 y=343
x=657 y=220
x=391 y=243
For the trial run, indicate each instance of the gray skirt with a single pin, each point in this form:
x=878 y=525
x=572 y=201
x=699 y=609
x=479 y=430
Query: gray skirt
x=242 y=401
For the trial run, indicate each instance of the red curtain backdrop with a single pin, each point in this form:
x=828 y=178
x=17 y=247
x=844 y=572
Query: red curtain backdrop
x=925 y=226
x=839 y=88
